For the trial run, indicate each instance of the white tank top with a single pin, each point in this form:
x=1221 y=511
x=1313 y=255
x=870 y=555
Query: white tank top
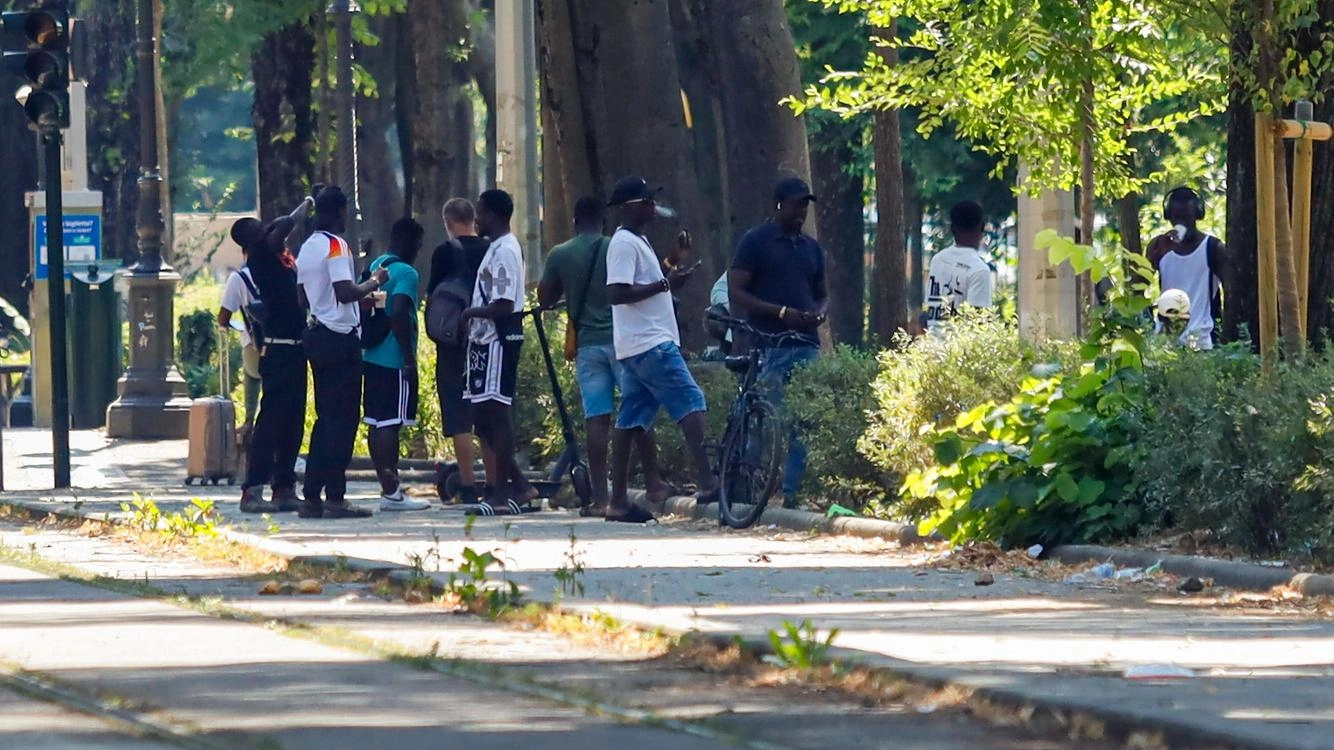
x=1190 y=273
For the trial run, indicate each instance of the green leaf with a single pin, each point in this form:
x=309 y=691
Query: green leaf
x=989 y=496
x=949 y=450
x=1066 y=487
x=1090 y=489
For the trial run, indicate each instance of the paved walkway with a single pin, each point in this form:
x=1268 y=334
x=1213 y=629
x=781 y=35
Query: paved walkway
x=1263 y=680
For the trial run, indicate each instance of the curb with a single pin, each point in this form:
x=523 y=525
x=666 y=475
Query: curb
x=799 y=520
x=1238 y=575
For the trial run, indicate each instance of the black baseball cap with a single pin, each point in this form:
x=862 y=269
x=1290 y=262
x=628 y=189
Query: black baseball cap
x=793 y=188
x=631 y=190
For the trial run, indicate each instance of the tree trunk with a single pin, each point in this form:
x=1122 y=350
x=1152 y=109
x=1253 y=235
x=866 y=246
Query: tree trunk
x=912 y=220
x=1127 y=223
x=697 y=65
x=405 y=102
x=163 y=148
x=284 y=128
x=626 y=93
x=1088 y=300
x=113 y=139
x=891 y=309
x=381 y=196
x=482 y=68
x=842 y=227
x=758 y=67
x=324 y=104
x=443 y=118
x=1241 y=310
x=1289 y=302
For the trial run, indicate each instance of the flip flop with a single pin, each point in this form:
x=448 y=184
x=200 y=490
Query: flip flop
x=635 y=514
x=593 y=511
x=484 y=508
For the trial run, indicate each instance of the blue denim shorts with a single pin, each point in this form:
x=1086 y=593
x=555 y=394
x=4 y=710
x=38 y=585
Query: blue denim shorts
x=658 y=378
x=598 y=374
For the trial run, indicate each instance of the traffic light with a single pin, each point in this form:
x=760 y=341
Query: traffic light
x=44 y=64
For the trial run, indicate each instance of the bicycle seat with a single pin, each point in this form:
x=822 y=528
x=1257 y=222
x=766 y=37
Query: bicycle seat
x=737 y=362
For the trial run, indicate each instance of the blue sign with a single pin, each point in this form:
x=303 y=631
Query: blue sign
x=83 y=242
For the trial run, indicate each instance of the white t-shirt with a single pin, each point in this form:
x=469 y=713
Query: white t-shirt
x=642 y=325
x=959 y=276
x=324 y=260
x=501 y=276
x=236 y=297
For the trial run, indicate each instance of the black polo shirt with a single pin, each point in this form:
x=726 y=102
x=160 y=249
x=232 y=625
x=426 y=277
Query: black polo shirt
x=784 y=271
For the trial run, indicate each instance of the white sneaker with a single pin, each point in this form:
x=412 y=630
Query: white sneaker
x=398 y=501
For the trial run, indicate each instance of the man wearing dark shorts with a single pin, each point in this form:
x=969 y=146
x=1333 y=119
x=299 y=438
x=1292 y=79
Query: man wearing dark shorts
x=495 y=335
x=458 y=258
x=389 y=388
x=648 y=346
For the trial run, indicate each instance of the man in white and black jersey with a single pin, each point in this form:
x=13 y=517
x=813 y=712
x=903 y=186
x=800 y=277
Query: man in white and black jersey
x=1192 y=261
x=959 y=273
x=326 y=272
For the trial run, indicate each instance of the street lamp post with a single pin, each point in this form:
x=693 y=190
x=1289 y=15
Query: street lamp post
x=152 y=399
x=345 y=103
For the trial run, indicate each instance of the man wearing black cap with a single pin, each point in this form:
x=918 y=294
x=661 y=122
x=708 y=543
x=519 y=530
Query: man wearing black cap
x=326 y=272
x=648 y=346
x=777 y=282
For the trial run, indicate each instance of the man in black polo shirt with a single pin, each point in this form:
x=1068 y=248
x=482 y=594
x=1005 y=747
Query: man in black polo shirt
x=777 y=282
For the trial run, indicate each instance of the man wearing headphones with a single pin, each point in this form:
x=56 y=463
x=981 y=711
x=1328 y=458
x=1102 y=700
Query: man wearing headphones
x=1194 y=262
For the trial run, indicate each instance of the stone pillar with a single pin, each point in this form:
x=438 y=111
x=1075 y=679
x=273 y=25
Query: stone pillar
x=1048 y=301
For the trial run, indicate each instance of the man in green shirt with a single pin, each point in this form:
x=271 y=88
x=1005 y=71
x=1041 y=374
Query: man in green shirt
x=577 y=270
x=390 y=366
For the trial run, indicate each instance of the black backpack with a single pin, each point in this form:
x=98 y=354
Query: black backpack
x=375 y=325
x=256 y=313
x=447 y=301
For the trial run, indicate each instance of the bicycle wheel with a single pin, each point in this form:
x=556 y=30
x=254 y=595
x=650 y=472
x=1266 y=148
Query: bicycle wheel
x=751 y=465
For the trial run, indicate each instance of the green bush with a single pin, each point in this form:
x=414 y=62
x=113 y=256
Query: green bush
x=1239 y=453
x=196 y=353
x=829 y=401
x=1055 y=463
x=536 y=421
x=924 y=384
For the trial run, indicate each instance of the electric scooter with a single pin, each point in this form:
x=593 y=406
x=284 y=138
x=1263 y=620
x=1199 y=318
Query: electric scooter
x=570 y=463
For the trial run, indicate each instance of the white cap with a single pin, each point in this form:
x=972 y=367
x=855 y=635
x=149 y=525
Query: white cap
x=1173 y=304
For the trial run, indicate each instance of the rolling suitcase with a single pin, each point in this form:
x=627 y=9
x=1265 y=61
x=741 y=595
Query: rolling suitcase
x=213 y=438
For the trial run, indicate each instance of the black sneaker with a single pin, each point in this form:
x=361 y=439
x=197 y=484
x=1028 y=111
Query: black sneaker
x=309 y=509
x=252 y=501
x=344 y=509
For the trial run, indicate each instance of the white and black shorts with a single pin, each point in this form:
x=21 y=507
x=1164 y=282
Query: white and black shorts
x=493 y=370
x=389 y=396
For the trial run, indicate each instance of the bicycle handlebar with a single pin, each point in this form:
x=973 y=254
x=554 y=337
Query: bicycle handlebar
x=770 y=338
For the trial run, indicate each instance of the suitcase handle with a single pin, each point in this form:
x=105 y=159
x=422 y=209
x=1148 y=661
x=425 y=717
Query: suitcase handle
x=224 y=363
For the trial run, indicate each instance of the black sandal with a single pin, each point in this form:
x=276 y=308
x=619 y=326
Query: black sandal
x=634 y=514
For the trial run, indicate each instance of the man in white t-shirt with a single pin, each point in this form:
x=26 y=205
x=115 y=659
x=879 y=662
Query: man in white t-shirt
x=326 y=271
x=648 y=346
x=495 y=338
x=237 y=295
x=959 y=274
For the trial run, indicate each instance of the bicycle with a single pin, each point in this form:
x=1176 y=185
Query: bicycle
x=754 y=447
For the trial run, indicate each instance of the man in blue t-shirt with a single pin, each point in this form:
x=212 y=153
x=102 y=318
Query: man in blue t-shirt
x=390 y=367
x=777 y=282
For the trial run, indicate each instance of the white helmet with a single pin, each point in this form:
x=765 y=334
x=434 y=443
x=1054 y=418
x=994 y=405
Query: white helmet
x=1173 y=304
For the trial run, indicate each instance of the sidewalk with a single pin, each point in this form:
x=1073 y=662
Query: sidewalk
x=1263 y=679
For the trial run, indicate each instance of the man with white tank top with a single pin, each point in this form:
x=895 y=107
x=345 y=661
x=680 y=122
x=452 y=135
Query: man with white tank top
x=1192 y=261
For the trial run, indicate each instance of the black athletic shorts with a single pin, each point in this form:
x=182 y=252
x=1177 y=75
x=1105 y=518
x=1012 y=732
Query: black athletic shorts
x=493 y=370
x=451 y=380
x=389 y=396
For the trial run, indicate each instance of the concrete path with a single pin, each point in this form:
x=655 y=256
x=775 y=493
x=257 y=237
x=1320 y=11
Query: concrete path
x=1262 y=679
x=253 y=684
